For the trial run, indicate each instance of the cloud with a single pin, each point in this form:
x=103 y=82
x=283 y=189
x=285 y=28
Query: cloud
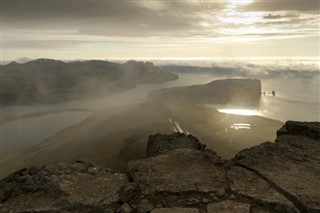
x=125 y=25
x=41 y=44
x=125 y=18
x=280 y=16
x=288 y=5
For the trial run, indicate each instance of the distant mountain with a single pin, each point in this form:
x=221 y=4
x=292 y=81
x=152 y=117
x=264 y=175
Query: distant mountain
x=216 y=92
x=23 y=60
x=219 y=71
x=247 y=70
x=50 y=81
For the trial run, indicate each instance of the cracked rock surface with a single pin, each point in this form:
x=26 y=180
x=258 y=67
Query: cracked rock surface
x=179 y=175
x=179 y=170
x=228 y=206
x=158 y=144
x=65 y=186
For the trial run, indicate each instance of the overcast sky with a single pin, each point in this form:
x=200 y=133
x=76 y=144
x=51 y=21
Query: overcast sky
x=167 y=29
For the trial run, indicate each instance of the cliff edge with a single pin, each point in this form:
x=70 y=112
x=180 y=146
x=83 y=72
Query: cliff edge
x=180 y=175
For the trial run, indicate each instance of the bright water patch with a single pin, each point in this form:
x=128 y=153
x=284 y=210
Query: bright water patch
x=247 y=112
x=240 y=126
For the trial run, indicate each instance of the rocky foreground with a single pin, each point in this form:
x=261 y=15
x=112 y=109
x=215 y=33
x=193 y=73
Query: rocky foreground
x=180 y=175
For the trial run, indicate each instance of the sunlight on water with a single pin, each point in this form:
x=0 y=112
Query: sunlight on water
x=241 y=126
x=247 y=112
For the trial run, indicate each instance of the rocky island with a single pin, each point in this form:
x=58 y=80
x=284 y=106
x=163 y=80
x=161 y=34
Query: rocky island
x=180 y=175
x=226 y=91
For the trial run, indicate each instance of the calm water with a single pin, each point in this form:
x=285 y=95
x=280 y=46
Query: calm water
x=296 y=99
x=31 y=131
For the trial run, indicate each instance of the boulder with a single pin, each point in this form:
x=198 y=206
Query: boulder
x=291 y=166
x=161 y=143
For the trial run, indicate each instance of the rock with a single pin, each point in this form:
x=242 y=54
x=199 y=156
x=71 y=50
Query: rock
x=291 y=165
x=36 y=202
x=160 y=143
x=178 y=171
x=192 y=201
x=205 y=200
x=124 y=208
x=221 y=192
x=175 y=210
x=228 y=206
x=144 y=206
x=68 y=185
x=127 y=192
x=250 y=187
x=306 y=129
x=259 y=210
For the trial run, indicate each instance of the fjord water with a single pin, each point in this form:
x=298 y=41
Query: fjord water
x=47 y=120
x=297 y=98
x=31 y=131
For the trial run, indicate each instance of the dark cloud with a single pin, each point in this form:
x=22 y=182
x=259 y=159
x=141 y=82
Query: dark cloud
x=280 y=16
x=122 y=17
x=41 y=44
x=277 y=5
x=58 y=24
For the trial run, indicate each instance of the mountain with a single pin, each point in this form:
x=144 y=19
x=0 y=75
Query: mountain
x=23 y=60
x=179 y=175
x=51 y=81
x=216 y=92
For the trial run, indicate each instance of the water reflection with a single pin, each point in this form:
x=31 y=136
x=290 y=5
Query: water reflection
x=247 y=112
x=241 y=126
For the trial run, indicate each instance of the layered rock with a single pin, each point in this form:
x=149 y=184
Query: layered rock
x=180 y=175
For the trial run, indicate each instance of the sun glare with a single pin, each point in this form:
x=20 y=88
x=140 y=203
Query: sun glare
x=246 y=112
x=240 y=2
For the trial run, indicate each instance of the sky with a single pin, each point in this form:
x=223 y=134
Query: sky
x=167 y=29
